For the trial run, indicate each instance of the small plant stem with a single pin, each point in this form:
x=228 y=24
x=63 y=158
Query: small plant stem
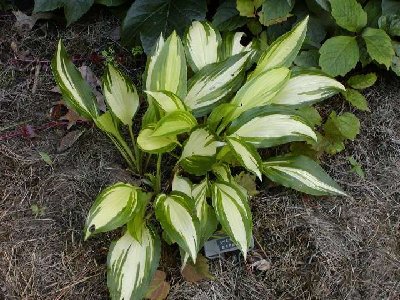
x=146 y=165
x=158 y=174
x=137 y=152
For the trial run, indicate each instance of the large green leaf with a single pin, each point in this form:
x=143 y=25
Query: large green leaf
x=391 y=24
x=356 y=99
x=227 y=17
x=339 y=55
x=131 y=265
x=247 y=8
x=349 y=14
x=176 y=214
x=246 y=154
x=284 y=50
x=120 y=94
x=149 y=18
x=73 y=9
x=201 y=45
x=266 y=127
x=75 y=90
x=275 y=11
x=113 y=208
x=110 y=2
x=390 y=7
x=174 y=123
x=361 y=82
x=233 y=212
x=152 y=144
x=373 y=8
x=344 y=126
x=306 y=89
x=301 y=173
x=198 y=154
x=379 y=45
x=214 y=83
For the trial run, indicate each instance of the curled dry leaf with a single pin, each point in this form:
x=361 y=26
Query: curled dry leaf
x=197 y=272
x=95 y=84
x=25 y=23
x=72 y=117
x=258 y=262
x=159 y=288
x=69 y=139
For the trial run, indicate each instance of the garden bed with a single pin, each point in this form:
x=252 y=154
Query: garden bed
x=322 y=248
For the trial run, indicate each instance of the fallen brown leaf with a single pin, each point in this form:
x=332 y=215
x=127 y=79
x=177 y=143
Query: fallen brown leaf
x=95 y=84
x=159 y=288
x=69 y=139
x=25 y=23
x=197 y=272
x=72 y=117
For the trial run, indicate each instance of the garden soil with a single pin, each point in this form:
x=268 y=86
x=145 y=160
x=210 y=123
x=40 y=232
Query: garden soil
x=314 y=248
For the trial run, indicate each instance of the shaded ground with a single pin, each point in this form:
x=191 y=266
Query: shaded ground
x=325 y=248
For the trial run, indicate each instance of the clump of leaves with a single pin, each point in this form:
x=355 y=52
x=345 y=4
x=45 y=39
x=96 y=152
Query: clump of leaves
x=341 y=33
x=218 y=118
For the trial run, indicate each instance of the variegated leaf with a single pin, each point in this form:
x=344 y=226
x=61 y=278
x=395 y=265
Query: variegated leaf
x=246 y=154
x=307 y=89
x=198 y=154
x=259 y=90
x=132 y=264
x=182 y=184
x=231 y=45
x=205 y=213
x=301 y=173
x=201 y=45
x=210 y=86
x=284 y=50
x=112 y=208
x=271 y=128
x=75 y=90
x=167 y=101
x=120 y=94
x=167 y=68
x=150 y=115
x=106 y=123
x=174 y=123
x=176 y=215
x=149 y=143
x=233 y=212
x=222 y=171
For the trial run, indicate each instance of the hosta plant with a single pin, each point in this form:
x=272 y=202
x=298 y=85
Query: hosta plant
x=209 y=116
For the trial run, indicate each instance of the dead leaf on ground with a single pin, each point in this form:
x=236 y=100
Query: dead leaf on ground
x=17 y=53
x=95 y=84
x=69 y=139
x=25 y=23
x=197 y=272
x=158 y=288
x=72 y=117
x=257 y=261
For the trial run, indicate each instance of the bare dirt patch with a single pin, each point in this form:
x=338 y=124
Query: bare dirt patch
x=318 y=248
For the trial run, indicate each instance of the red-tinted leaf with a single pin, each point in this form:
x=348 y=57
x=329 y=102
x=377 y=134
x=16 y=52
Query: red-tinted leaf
x=159 y=288
x=197 y=272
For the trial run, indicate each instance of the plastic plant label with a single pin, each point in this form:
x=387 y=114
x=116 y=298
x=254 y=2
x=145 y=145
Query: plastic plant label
x=219 y=244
